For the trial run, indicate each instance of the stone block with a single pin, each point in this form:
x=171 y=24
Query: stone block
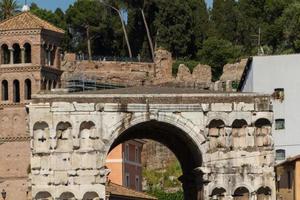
x=62 y=107
x=60 y=177
x=35 y=162
x=88 y=172
x=85 y=180
x=84 y=107
x=241 y=106
x=222 y=107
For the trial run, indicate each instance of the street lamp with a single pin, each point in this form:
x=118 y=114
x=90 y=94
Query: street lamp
x=123 y=25
x=3 y=194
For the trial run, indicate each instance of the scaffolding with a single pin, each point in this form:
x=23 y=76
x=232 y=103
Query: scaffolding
x=81 y=85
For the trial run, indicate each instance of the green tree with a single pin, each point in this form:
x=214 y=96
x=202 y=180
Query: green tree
x=142 y=41
x=199 y=26
x=174 y=26
x=290 y=21
x=224 y=19
x=218 y=52
x=8 y=8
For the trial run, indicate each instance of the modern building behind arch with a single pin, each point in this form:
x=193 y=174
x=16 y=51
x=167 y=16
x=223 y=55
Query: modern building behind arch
x=278 y=76
x=29 y=61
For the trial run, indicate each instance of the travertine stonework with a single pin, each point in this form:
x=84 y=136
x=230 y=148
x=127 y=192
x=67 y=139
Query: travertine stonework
x=222 y=140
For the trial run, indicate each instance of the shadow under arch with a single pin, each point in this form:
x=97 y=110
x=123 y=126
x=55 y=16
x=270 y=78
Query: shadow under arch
x=180 y=143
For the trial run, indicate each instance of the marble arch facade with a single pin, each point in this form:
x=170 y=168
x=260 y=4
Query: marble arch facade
x=98 y=121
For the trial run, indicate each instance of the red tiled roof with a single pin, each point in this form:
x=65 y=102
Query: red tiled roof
x=113 y=189
x=27 y=20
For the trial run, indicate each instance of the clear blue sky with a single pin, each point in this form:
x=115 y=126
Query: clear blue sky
x=63 y=4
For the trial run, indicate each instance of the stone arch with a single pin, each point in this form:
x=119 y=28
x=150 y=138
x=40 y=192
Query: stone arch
x=91 y=196
x=239 y=133
x=168 y=131
x=27 y=89
x=264 y=193
x=4 y=90
x=218 y=116
x=27 y=52
x=67 y=196
x=175 y=120
x=218 y=193
x=263 y=129
x=241 y=193
x=64 y=137
x=43 y=196
x=41 y=137
x=17 y=53
x=16 y=91
x=5 y=54
x=216 y=134
x=87 y=132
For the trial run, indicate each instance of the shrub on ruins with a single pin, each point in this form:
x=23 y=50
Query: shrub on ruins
x=161 y=195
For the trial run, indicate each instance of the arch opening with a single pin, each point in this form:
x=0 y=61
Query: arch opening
x=217 y=134
x=5 y=54
x=43 y=196
x=263 y=129
x=27 y=53
x=17 y=53
x=91 y=196
x=64 y=137
x=180 y=143
x=218 y=194
x=4 y=90
x=264 y=193
x=241 y=193
x=67 y=196
x=16 y=91
x=27 y=89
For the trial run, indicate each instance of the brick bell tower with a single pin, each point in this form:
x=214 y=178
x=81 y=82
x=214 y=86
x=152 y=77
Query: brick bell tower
x=29 y=63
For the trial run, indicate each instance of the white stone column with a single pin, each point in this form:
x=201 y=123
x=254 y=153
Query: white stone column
x=22 y=55
x=11 y=51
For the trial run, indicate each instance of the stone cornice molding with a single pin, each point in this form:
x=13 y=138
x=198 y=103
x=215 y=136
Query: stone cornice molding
x=20 y=32
x=18 y=68
x=14 y=139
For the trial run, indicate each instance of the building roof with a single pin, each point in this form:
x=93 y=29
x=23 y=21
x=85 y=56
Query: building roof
x=116 y=190
x=27 y=20
x=289 y=160
x=268 y=61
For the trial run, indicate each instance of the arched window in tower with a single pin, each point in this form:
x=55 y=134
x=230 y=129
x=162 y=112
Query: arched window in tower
x=17 y=53
x=52 y=55
x=16 y=91
x=27 y=89
x=27 y=56
x=4 y=89
x=5 y=54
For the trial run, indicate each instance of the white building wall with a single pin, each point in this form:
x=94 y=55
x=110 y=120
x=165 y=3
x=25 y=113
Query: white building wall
x=268 y=73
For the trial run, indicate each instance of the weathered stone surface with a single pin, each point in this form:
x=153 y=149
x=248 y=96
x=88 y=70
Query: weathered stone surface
x=233 y=72
x=202 y=74
x=184 y=73
x=218 y=129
